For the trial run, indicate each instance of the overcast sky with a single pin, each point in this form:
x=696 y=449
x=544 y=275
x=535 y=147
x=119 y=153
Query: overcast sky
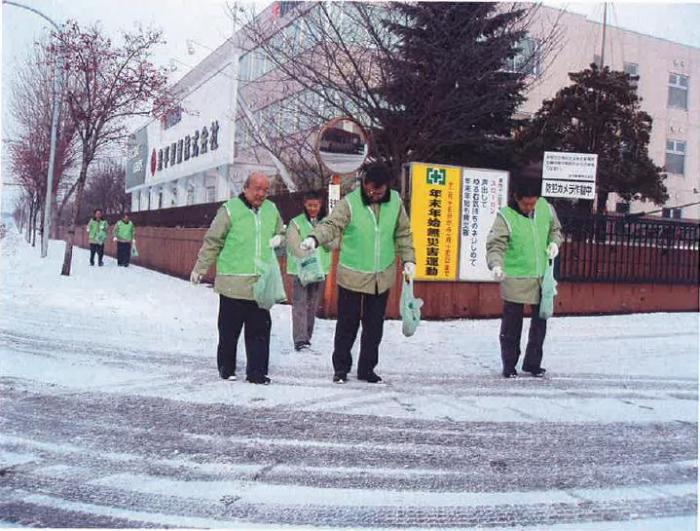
x=207 y=23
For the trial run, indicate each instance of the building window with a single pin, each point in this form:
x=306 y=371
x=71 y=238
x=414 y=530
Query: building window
x=675 y=157
x=678 y=91
x=527 y=59
x=632 y=69
x=210 y=194
x=190 y=195
x=677 y=213
x=160 y=200
x=173 y=201
x=674 y=213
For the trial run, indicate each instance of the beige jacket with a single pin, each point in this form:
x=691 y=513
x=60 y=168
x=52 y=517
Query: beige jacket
x=521 y=290
x=332 y=228
x=234 y=287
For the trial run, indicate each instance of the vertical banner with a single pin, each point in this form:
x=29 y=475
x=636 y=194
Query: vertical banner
x=435 y=209
x=484 y=192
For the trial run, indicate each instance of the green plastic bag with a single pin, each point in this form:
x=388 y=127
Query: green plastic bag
x=134 y=250
x=310 y=269
x=409 y=309
x=549 y=291
x=269 y=288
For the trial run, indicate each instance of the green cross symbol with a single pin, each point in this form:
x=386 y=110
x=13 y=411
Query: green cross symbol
x=437 y=176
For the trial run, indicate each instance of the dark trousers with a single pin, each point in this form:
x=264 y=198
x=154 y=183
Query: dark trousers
x=99 y=249
x=355 y=308
x=234 y=314
x=123 y=253
x=511 y=330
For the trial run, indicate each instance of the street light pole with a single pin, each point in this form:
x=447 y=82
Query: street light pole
x=57 y=90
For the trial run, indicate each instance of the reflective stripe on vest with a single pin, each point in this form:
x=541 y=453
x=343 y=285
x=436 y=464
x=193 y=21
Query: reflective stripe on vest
x=526 y=256
x=368 y=243
x=248 y=237
x=304 y=227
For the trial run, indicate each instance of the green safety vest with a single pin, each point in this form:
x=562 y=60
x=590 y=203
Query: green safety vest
x=305 y=227
x=248 y=238
x=526 y=256
x=368 y=244
x=97 y=230
x=124 y=231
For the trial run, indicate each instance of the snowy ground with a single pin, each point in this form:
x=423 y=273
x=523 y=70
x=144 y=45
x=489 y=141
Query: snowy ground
x=113 y=416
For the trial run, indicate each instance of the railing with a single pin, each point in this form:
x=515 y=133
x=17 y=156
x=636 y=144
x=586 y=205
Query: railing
x=608 y=248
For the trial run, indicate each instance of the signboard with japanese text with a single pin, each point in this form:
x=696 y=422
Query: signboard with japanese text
x=435 y=197
x=484 y=193
x=569 y=175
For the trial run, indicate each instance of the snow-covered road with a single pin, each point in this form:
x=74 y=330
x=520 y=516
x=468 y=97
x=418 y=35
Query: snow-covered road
x=113 y=416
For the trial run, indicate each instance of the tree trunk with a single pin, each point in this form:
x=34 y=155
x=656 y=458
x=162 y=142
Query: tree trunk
x=68 y=256
x=36 y=213
x=28 y=235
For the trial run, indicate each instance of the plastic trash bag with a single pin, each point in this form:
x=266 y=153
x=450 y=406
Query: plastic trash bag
x=549 y=291
x=310 y=269
x=269 y=288
x=409 y=309
x=134 y=250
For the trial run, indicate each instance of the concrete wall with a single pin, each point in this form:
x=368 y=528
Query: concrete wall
x=174 y=251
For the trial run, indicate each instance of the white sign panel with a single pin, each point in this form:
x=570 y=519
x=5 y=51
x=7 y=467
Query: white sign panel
x=569 y=175
x=333 y=196
x=484 y=192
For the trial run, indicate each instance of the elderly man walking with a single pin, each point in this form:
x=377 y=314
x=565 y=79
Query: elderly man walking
x=525 y=235
x=246 y=228
x=375 y=229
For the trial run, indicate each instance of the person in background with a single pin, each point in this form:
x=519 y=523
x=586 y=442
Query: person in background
x=124 y=234
x=524 y=236
x=245 y=228
x=306 y=299
x=97 y=235
x=375 y=229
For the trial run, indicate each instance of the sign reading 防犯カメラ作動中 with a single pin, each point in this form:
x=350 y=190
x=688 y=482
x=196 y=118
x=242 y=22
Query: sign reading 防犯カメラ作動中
x=435 y=197
x=569 y=175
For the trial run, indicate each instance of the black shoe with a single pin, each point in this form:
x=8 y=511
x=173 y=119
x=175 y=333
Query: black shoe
x=230 y=377
x=301 y=345
x=262 y=380
x=100 y=264
x=370 y=378
x=340 y=378
x=537 y=373
x=92 y=263
x=510 y=373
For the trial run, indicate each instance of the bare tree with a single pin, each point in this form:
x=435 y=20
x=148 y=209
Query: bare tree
x=106 y=84
x=31 y=106
x=364 y=60
x=105 y=189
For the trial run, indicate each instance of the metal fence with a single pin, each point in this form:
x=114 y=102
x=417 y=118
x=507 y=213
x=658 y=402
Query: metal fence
x=609 y=248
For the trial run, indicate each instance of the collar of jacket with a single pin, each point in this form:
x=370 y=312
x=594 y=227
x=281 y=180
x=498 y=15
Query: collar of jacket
x=366 y=200
x=241 y=196
x=514 y=205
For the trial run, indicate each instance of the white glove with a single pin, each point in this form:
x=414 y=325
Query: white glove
x=498 y=273
x=309 y=244
x=275 y=241
x=133 y=241
x=552 y=250
x=114 y=239
x=195 y=277
x=409 y=270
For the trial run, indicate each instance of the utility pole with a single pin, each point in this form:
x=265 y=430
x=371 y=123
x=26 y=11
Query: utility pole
x=57 y=91
x=605 y=26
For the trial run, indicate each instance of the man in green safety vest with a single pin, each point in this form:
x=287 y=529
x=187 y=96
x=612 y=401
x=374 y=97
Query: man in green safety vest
x=124 y=234
x=306 y=298
x=246 y=228
x=524 y=236
x=97 y=234
x=375 y=229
